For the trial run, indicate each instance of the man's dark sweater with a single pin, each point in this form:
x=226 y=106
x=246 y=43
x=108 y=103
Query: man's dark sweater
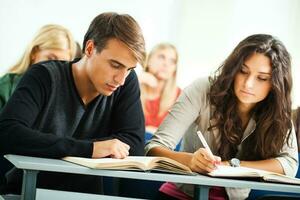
x=46 y=117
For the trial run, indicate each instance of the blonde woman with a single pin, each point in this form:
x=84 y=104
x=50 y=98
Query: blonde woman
x=52 y=42
x=158 y=84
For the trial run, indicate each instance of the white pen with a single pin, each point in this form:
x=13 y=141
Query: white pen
x=204 y=143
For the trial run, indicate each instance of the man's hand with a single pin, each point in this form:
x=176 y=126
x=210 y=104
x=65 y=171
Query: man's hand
x=113 y=148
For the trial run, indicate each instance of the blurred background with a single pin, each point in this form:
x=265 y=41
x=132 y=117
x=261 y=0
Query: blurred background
x=204 y=31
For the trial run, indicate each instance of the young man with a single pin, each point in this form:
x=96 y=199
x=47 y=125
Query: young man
x=89 y=107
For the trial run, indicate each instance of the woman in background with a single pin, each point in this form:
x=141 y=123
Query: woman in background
x=159 y=90
x=52 y=42
x=243 y=112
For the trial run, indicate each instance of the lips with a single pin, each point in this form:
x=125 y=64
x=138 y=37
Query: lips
x=246 y=92
x=112 y=87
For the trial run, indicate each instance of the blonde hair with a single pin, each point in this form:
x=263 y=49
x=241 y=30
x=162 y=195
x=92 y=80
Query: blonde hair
x=169 y=93
x=50 y=36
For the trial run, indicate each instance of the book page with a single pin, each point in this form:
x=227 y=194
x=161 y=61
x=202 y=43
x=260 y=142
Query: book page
x=144 y=163
x=281 y=179
x=228 y=171
x=137 y=162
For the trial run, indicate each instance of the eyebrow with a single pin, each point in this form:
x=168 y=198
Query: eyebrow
x=266 y=73
x=115 y=61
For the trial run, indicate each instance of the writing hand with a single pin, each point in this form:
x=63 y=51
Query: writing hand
x=113 y=148
x=203 y=161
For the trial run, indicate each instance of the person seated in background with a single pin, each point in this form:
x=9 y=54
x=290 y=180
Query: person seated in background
x=89 y=107
x=78 y=53
x=158 y=93
x=52 y=42
x=243 y=112
x=159 y=89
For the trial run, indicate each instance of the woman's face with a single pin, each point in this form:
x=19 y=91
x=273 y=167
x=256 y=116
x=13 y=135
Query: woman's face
x=50 y=54
x=162 y=64
x=252 y=83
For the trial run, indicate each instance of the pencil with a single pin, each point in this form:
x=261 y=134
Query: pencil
x=204 y=143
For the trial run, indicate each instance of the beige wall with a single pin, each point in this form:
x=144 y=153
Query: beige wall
x=205 y=31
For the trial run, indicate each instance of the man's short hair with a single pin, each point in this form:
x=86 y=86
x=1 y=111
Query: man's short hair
x=120 y=26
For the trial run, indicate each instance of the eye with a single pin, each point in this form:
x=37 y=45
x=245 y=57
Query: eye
x=115 y=65
x=173 y=61
x=52 y=57
x=263 y=78
x=243 y=71
x=161 y=56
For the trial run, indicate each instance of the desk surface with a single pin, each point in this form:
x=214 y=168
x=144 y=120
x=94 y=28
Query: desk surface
x=56 y=165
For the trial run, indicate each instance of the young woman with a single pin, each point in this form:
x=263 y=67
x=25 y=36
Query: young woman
x=52 y=42
x=158 y=84
x=244 y=112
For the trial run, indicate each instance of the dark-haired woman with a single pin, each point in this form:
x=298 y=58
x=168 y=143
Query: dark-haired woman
x=244 y=112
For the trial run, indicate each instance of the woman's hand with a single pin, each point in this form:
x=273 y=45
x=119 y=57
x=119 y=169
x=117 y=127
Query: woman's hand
x=148 y=79
x=203 y=161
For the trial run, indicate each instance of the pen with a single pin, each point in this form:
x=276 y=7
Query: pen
x=204 y=142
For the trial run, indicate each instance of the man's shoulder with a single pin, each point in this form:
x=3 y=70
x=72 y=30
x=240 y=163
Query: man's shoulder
x=132 y=76
x=131 y=80
x=55 y=68
x=53 y=64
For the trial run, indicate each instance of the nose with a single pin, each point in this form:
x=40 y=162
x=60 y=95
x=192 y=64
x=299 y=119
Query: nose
x=249 y=82
x=121 y=77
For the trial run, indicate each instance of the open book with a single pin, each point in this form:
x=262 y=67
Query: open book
x=141 y=163
x=244 y=172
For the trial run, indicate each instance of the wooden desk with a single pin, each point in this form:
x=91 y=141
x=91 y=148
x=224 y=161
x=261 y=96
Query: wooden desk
x=32 y=165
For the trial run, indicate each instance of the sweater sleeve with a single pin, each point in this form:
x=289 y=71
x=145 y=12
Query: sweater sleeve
x=128 y=124
x=22 y=110
x=182 y=115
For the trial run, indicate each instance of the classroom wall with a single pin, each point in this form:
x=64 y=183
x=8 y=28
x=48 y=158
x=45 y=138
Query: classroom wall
x=205 y=31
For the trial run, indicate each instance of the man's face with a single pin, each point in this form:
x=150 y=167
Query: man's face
x=108 y=69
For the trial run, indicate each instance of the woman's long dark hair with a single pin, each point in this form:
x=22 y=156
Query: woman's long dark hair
x=272 y=115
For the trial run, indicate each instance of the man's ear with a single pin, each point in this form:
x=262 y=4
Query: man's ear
x=89 y=48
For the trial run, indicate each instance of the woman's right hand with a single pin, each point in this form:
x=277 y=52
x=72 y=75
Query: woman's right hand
x=148 y=79
x=203 y=161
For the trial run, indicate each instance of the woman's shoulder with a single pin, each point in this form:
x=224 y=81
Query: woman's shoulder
x=199 y=86
x=10 y=78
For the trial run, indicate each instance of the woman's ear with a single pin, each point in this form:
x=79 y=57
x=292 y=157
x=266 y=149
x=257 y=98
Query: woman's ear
x=33 y=54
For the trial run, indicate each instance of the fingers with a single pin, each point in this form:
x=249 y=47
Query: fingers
x=148 y=79
x=218 y=160
x=203 y=161
x=113 y=148
x=206 y=154
x=121 y=150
